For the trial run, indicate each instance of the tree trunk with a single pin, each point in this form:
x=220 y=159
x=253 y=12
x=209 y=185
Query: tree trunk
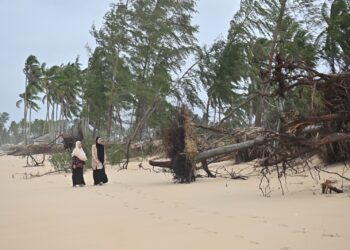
x=139 y=113
x=94 y=133
x=52 y=122
x=25 y=112
x=25 y=124
x=114 y=83
x=46 y=124
x=61 y=120
x=30 y=121
x=206 y=115
x=110 y=115
x=57 y=123
x=138 y=127
x=202 y=156
x=261 y=114
x=258 y=114
x=229 y=148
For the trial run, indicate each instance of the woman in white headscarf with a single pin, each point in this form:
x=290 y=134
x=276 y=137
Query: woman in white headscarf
x=78 y=162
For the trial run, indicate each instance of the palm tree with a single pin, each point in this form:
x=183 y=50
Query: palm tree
x=335 y=38
x=48 y=83
x=64 y=92
x=32 y=71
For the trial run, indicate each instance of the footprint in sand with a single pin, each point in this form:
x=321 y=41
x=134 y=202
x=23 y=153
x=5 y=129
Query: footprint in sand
x=254 y=242
x=331 y=235
x=212 y=232
x=302 y=231
x=178 y=203
x=261 y=219
x=186 y=224
x=238 y=236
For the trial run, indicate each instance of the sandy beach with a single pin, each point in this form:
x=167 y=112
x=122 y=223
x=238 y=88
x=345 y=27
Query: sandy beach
x=139 y=209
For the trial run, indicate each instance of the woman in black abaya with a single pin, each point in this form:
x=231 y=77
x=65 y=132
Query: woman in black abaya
x=98 y=162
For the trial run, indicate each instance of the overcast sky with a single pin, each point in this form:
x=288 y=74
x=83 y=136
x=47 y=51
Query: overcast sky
x=57 y=31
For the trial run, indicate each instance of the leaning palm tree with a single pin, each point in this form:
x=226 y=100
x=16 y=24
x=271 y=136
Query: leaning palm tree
x=32 y=71
x=64 y=90
x=49 y=84
x=29 y=98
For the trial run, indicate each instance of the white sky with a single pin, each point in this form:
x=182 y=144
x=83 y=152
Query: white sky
x=57 y=31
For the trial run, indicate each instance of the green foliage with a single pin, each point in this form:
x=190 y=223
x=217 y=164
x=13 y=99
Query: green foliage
x=115 y=153
x=13 y=132
x=145 y=43
x=39 y=127
x=141 y=51
x=33 y=73
x=4 y=117
x=334 y=40
x=61 y=161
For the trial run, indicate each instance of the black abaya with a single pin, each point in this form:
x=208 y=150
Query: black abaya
x=77 y=171
x=77 y=176
x=99 y=175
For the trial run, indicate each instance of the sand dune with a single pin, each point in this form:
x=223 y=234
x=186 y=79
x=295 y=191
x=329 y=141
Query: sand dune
x=143 y=210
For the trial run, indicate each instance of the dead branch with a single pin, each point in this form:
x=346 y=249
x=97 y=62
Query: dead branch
x=138 y=127
x=35 y=162
x=162 y=164
x=329 y=172
x=232 y=174
x=30 y=175
x=233 y=110
x=206 y=169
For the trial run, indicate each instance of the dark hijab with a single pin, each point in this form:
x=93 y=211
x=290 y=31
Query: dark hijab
x=100 y=151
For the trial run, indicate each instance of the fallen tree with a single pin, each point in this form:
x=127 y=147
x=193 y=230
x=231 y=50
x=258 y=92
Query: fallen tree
x=325 y=132
x=68 y=142
x=201 y=156
x=22 y=150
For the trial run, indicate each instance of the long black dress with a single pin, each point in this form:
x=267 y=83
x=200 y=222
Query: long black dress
x=77 y=171
x=100 y=176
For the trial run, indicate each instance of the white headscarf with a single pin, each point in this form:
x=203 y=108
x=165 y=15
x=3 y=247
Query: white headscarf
x=79 y=152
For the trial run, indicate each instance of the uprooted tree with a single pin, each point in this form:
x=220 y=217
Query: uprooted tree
x=325 y=130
